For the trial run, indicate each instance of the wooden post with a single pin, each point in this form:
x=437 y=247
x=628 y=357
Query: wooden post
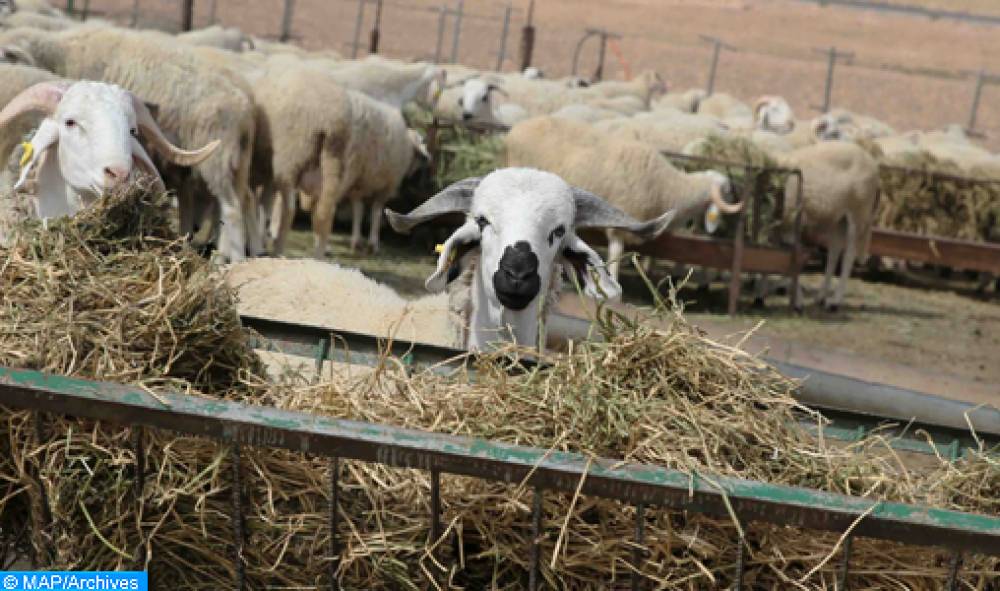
x=376 y=29
x=357 y=29
x=528 y=38
x=187 y=14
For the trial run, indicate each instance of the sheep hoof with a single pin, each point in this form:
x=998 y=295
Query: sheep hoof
x=758 y=303
x=831 y=307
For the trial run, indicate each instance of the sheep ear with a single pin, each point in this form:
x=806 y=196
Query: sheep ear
x=456 y=198
x=45 y=138
x=453 y=256
x=594 y=212
x=588 y=265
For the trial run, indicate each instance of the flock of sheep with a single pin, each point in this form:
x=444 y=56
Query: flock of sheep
x=244 y=132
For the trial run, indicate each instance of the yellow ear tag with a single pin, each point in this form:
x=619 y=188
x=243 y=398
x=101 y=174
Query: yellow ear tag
x=713 y=216
x=29 y=151
x=440 y=248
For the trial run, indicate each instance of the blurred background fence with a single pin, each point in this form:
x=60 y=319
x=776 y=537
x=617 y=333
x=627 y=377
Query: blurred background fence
x=501 y=35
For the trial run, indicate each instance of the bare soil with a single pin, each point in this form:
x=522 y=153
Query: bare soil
x=911 y=71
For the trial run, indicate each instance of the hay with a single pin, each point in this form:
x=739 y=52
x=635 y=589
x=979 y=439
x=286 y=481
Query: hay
x=920 y=200
x=667 y=396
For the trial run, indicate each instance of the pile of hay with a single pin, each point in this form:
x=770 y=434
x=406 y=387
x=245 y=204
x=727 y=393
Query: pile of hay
x=924 y=202
x=667 y=396
x=763 y=181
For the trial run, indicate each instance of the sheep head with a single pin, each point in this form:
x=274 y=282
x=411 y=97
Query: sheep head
x=88 y=142
x=476 y=101
x=772 y=113
x=521 y=223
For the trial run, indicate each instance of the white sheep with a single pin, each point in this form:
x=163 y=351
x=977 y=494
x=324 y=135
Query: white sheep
x=686 y=101
x=671 y=131
x=726 y=108
x=632 y=175
x=228 y=38
x=586 y=113
x=520 y=230
x=87 y=143
x=478 y=104
x=533 y=73
x=392 y=82
x=198 y=102
x=840 y=183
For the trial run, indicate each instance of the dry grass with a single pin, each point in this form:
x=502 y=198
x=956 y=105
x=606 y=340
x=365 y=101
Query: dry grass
x=667 y=396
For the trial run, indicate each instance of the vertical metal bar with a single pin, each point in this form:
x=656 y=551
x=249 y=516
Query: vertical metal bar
x=286 y=20
x=640 y=522
x=974 y=109
x=237 y=520
x=502 y=54
x=69 y=7
x=845 y=565
x=956 y=563
x=435 y=505
x=528 y=37
x=828 y=91
x=134 y=20
x=86 y=10
x=740 y=564
x=458 y=31
x=735 y=280
x=187 y=15
x=357 y=29
x=797 y=245
x=139 y=449
x=442 y=17
x=334 y=523
x=322 y=352
x=716 y=48
x=213 y=12
x=535 y=564
x=376 y=29
x=599 y=74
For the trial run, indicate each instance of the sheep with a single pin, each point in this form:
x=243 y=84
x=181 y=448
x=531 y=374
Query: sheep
x=533 y=73
x=725 y=107
x=198 y=102
x=88 y=142
x=632 y=175
x=647 y=86
x=36 y=20
x=686 y=101
x=392 y=82
x=668 y=131
x=15 y=79
x=627 y=105
x=42 y=7
x=478 y=104
x=228 y=38
x=519 y=233
x=586 y=113
x=840 y=183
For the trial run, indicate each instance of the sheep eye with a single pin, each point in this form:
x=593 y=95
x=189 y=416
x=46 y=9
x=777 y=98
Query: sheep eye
x=482 y=222
x=134 y=132
x=486 y=98
x=70 y=123
x=556 y=234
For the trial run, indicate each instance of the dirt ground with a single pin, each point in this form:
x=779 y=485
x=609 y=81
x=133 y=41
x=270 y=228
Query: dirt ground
x=937 y=341
x=911 y=71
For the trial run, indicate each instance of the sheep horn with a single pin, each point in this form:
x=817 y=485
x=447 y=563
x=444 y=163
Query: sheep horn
x=495 y=88
x=759 y=104
x=16 y=55
x=594 y=212
x=44 y=97
x=715 y=193
x=455 y=198
x=174 y=154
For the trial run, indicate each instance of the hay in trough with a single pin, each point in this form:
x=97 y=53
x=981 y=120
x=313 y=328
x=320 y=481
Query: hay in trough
x=666 y=395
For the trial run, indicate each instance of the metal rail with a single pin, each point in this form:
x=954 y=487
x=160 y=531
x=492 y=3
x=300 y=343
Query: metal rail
x=855 y=407
x=643 y=485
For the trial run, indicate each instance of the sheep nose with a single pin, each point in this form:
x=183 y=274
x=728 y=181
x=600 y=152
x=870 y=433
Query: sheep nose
x=516 y=281
x=115 y=175
x=518 y=262
x=466 y=116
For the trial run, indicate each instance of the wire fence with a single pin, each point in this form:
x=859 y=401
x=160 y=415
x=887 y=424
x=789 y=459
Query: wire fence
x=492 y=34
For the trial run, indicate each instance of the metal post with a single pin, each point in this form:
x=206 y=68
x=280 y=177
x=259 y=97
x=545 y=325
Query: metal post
x=442 y=17
x=828 y=91
x=376 y=29
x=286 y=20
x=528 y=38
x=716 y=48
x=535 y=552
x=86 y=10
x=974 y=110
x=213 y=12
x=458 y=31
x=357 y=29
x=134 y=20
x=69 y=7
x=187 y=14
x=502 y=55
x=599 y=73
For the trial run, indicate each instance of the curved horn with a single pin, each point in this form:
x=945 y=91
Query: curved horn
x=174 y=154
x=715 y=193
x=455 y=198
x=16 y=55
x=494 y=88
x=758 y=104
x=594 y=212
x=44 y=97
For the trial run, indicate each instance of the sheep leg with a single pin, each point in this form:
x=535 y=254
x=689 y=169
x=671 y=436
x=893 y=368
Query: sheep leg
x=846 y=264
x=375 y=230
x=834 y=248
x=616 y=248
x=761 y=289
x=357 y=216
x=286 y=215
x=325 y=207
